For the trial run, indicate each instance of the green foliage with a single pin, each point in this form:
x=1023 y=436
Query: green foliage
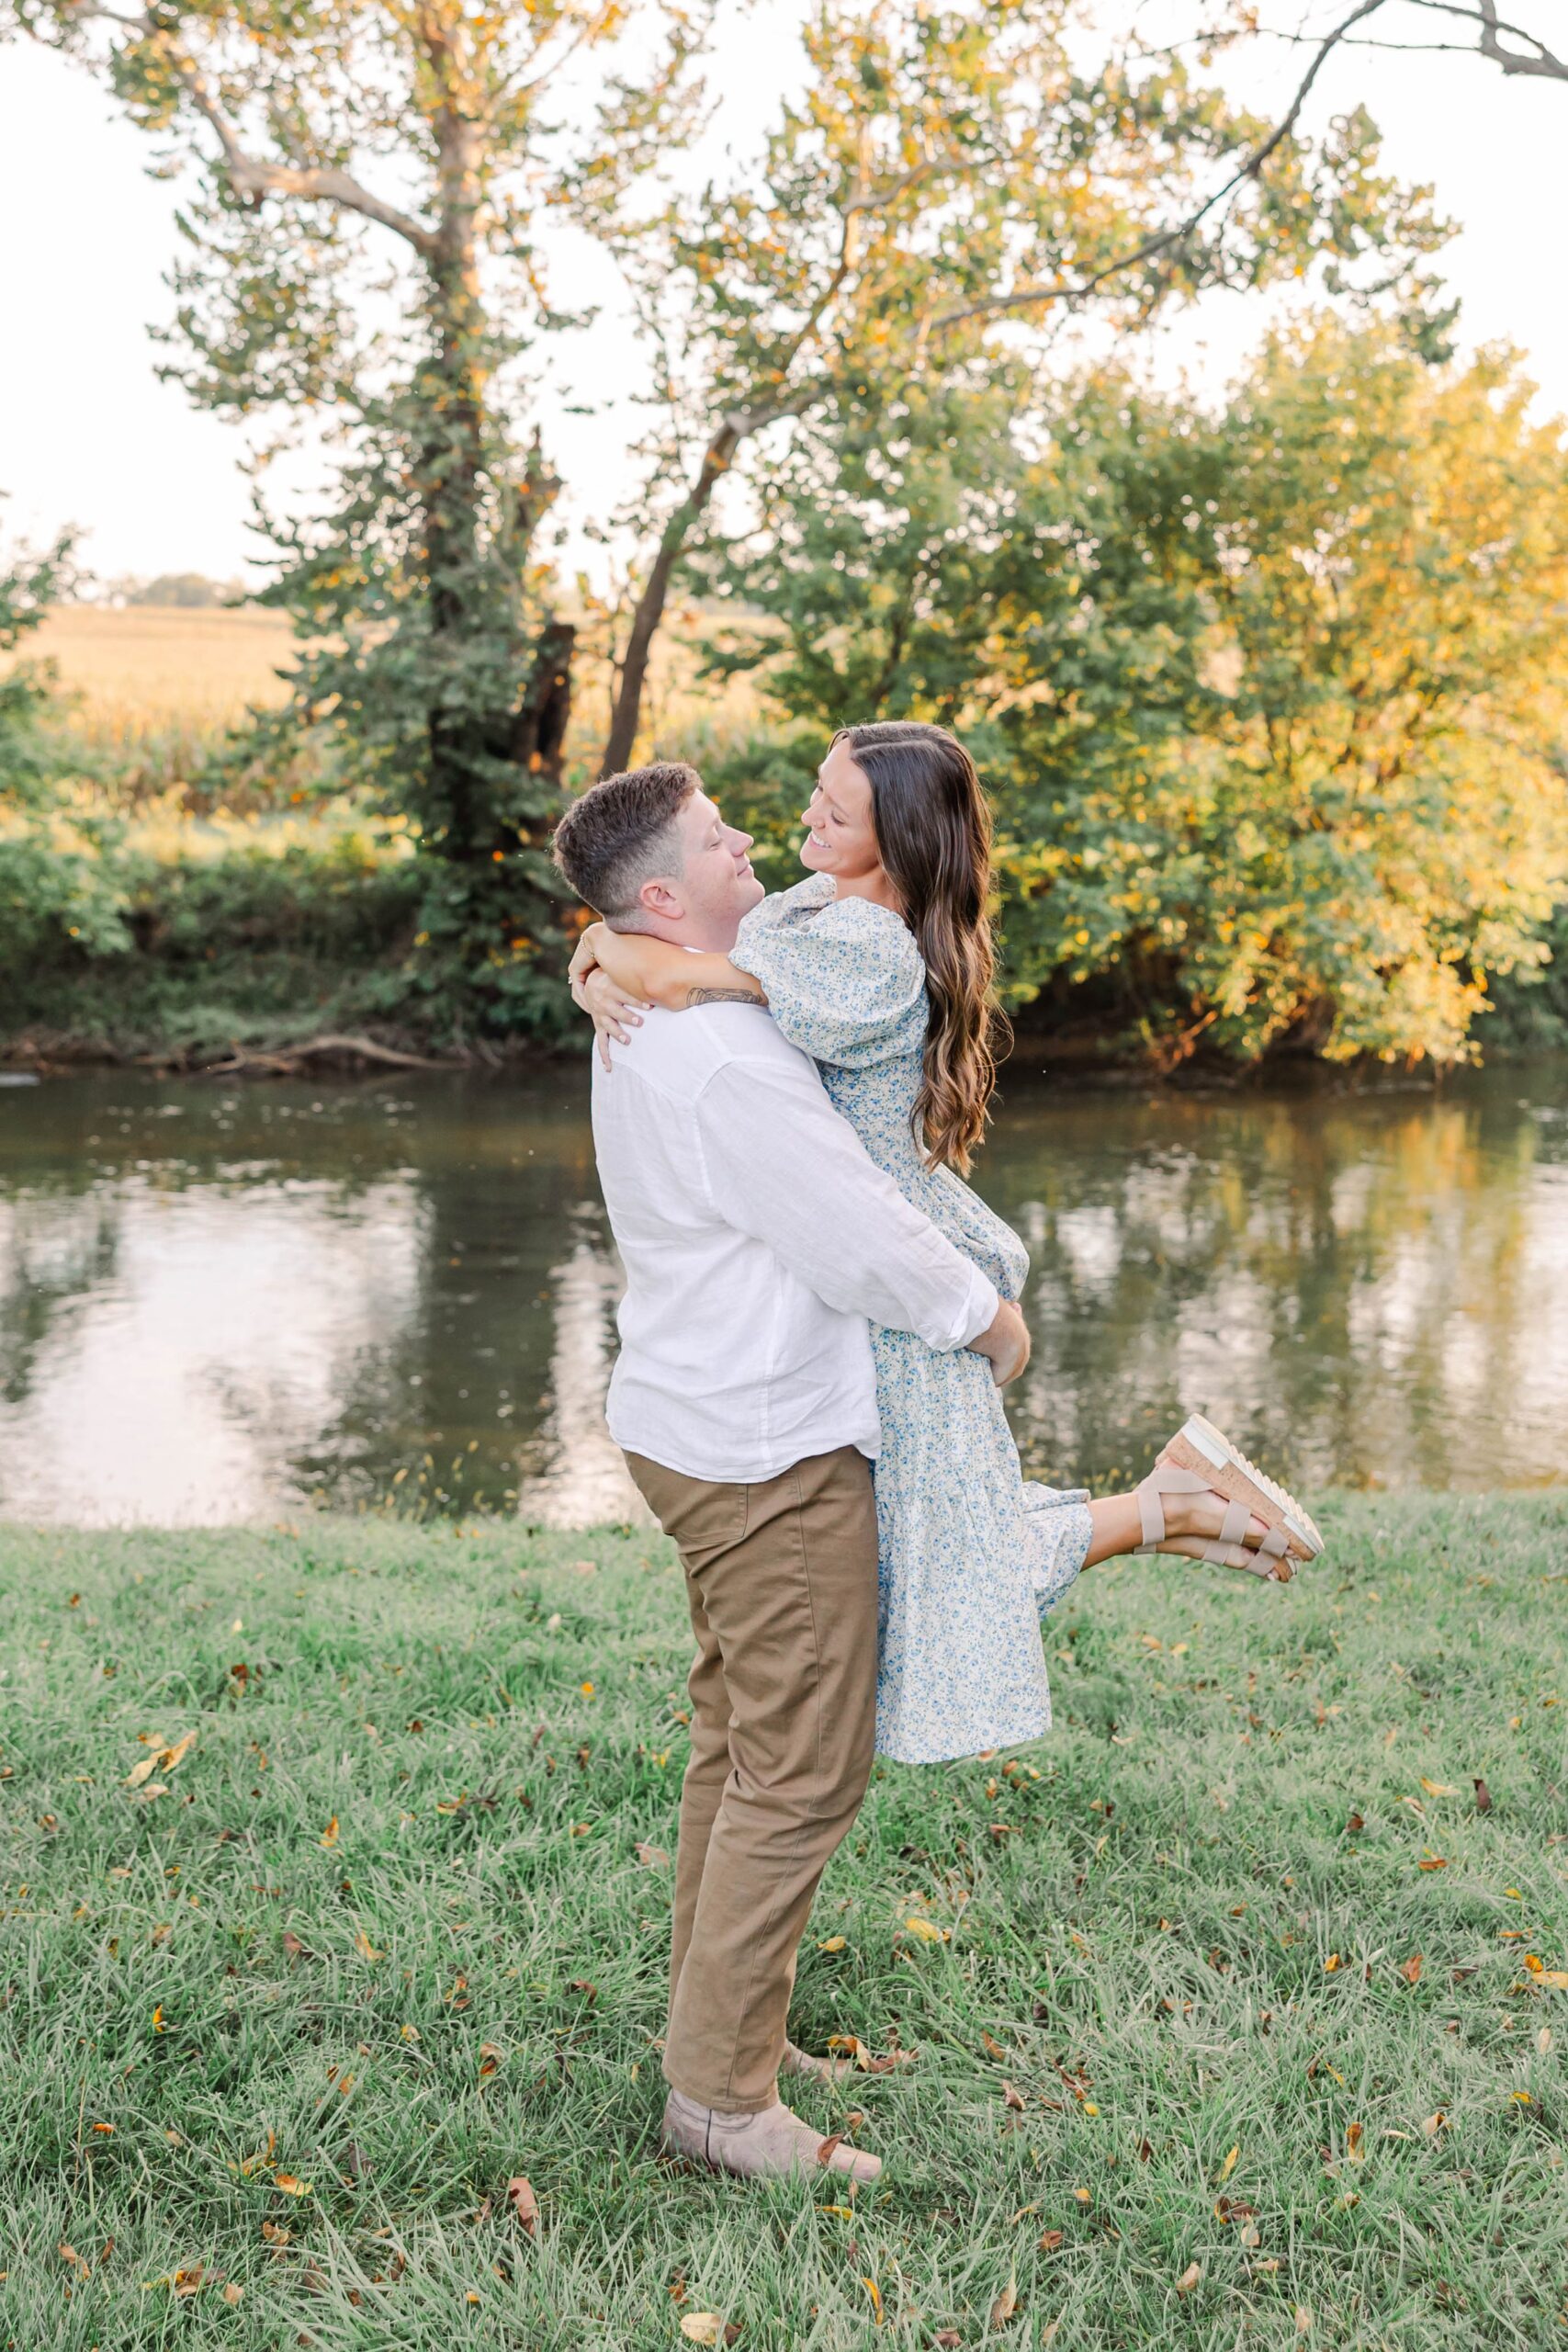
x=398 y=1931
x=58 y=895
x=1272 y=703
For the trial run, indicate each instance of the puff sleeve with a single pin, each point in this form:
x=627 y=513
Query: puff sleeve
x=844 y=978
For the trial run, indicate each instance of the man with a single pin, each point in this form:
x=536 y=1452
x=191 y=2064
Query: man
x=758 y=1238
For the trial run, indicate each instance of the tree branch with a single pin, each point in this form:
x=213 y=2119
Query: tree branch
x=1510 y=61
x=250 y=178
x=1164 y=240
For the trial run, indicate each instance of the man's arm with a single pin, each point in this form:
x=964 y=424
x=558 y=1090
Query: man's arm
x=783 y=1165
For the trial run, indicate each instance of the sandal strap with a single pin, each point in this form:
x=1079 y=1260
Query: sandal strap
x=1164 y=1478
x=1234 y=1524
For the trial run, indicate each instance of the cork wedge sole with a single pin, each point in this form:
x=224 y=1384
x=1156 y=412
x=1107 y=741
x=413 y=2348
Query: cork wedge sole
x=1199 y=1446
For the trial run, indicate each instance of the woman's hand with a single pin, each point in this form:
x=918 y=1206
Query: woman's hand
x=613 y=1012
x=585 y=957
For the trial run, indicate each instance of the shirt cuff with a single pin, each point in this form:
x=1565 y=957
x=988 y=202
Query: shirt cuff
x=979 y=1309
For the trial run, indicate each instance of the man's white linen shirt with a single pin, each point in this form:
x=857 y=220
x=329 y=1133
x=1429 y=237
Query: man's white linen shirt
x=758 y=1236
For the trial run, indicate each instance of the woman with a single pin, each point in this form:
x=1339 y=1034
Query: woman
x=880 y=966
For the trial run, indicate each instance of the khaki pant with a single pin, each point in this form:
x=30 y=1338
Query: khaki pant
x=782 y=1581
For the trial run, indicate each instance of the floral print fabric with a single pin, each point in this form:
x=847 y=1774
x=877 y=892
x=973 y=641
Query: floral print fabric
x=971 y=1553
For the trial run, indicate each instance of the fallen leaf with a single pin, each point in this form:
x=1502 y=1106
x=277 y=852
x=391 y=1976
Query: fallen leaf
x=275 y=2234
x=232 y=2294
x=187 y=2281
x=832 y=1943
x=926 y=1932
x=1543 y=2040
x=1005 y=2305
x=1432 y=2125
x=1229 y=2165
x=874 y=2291
x=1331 y=1963
x=1250 y=2235
x=1483 y=1796
x=171 y=1757
x=1433 y=1863
x=652 y=1858
x=490 y=2058
x=329 y=1835
x=1437 y=1788
x=702 y=2327
x=1050 y=2240
x=1190 y=2277
x=363 y=1945
x=523 y=2203
x=1083 y=2197
x=947 y=2339
x=1411 y=1969
x=1353 y=2149
x=1356 y=1822
x=992 y=2049
x=1304 y=2319
x=290 y=2185
x=1012 y=2097
x=1145 y=2152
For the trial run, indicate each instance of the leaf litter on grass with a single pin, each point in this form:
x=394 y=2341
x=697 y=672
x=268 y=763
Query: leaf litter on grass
x=1223 y=2031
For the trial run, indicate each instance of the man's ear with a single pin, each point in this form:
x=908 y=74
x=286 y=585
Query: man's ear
x=658 y=898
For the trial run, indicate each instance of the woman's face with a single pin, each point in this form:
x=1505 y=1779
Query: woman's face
x=841 y=837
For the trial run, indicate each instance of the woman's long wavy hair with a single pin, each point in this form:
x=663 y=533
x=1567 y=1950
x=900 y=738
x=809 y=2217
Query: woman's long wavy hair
x=933 y=832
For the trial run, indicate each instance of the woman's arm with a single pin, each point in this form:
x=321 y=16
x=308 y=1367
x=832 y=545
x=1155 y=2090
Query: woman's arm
x=658 y=972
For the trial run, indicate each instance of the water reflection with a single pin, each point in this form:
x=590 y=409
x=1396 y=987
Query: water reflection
x=220 y=1303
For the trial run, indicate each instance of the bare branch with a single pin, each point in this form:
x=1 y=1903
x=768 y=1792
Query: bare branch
x=1510 y=61
x=250 y=178
x=1075 y=289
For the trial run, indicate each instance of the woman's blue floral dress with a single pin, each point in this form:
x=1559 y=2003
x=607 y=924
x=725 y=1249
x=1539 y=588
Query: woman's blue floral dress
x=971 y=1554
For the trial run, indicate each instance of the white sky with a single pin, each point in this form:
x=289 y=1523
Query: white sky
x=88 y=435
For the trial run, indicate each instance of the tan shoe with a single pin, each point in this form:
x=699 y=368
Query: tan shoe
x=801 y=2064
x=1199 y=1459
x=771 y=2144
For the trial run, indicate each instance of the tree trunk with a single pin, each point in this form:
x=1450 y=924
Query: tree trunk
x=627 y=711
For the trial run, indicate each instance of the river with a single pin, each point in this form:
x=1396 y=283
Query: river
x=224 y=1301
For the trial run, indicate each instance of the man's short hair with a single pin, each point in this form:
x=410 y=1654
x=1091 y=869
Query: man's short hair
x=622 y=834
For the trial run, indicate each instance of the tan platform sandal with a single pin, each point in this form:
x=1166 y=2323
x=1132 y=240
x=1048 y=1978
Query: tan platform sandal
x=1201 y=1459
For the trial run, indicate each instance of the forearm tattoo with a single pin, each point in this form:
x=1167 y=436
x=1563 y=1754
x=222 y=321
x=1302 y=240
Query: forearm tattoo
x=718 y=996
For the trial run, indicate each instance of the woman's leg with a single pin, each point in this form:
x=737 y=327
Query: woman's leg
x=1119 y=1526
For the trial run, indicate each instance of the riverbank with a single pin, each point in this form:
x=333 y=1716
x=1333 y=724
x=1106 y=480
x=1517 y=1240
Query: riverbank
x=1239 y=1969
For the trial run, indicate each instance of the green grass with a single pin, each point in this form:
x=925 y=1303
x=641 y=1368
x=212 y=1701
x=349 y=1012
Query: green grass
x=1146 y=1948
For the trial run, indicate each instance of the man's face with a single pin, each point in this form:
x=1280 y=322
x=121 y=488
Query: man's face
x=716 y=885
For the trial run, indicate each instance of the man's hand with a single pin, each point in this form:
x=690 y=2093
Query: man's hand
x=1005 y=1341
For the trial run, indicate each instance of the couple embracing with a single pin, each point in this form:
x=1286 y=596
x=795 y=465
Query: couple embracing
x=819 y=1321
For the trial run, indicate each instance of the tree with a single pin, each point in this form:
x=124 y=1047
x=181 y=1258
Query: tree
x=1273 y=702
x=955 y=182
x=56 y=890
x=370 y=181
